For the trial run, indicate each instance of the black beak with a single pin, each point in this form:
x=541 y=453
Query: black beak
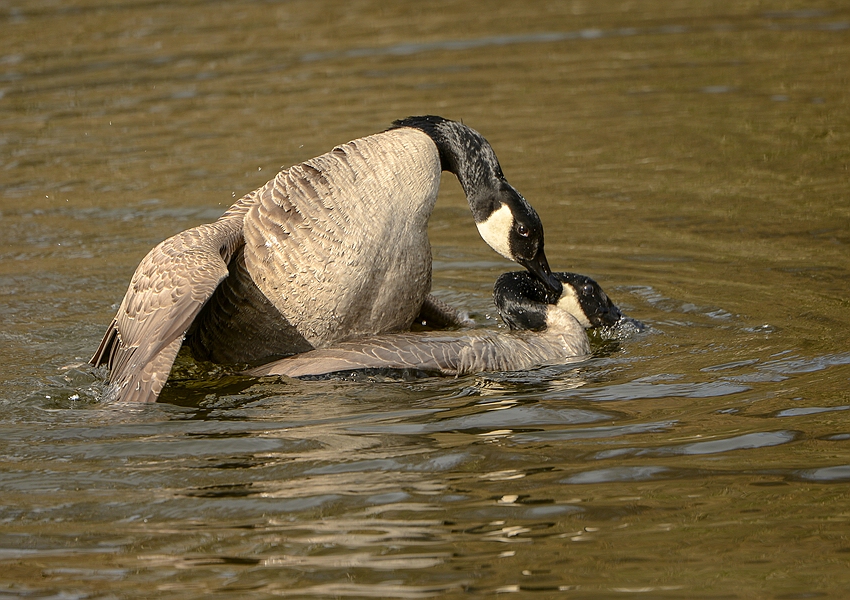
x=539 y=267
x=608 y=315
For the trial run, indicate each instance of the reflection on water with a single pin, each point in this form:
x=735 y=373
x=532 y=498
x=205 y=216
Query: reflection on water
x=691 y=158
x=549 y=37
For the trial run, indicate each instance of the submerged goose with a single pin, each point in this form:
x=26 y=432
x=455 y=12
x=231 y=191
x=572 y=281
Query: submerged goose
x=330 y=248
x=548 y=328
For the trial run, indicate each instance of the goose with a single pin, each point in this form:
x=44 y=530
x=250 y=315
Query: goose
x=546 y=328
x=330 y=248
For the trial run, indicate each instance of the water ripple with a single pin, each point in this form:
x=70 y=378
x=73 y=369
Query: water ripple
x=641 y=390
x=747 y=441
x=617 y=474
x=780 y=369
x=794 y=365
x=545 y=37
x=594 y=432
x=518 y=416
x=826 y=474
x=809 y=410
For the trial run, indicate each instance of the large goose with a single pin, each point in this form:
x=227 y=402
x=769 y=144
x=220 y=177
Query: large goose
x=547 y=328
x=330 y=248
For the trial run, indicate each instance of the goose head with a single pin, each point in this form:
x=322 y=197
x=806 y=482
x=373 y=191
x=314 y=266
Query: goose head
x=505 y=220
x=524 y=303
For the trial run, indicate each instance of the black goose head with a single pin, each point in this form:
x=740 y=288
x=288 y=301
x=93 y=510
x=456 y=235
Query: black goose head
x=524 y=303
x=505 y=220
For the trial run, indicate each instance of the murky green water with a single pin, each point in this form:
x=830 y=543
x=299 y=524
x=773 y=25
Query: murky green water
x=691 y=156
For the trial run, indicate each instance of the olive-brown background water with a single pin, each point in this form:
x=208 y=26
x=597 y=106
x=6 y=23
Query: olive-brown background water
x=691 y=156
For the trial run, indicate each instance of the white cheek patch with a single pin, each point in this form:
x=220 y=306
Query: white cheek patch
x=569 y=303
x=496 y=230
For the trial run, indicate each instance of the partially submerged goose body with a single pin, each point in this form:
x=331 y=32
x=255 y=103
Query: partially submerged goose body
x=330 y=248
x=547 y=328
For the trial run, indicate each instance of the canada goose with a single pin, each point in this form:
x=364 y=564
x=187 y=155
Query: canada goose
x=547 y=328
x=331 y=248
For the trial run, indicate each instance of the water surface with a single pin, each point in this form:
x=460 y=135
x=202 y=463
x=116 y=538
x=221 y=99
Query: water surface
x=692 y=158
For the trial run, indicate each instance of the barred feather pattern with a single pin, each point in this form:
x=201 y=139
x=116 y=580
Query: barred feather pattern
x=339 y=244
x=447 y=354
x=168 y=289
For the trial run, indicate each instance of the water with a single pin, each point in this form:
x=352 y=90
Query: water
x=692 y=157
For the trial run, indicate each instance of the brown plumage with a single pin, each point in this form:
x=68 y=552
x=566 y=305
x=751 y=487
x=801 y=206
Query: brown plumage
x=339 y=245
x=330 y=248
x=446 y=354
x=547 y=328
x=166 y=293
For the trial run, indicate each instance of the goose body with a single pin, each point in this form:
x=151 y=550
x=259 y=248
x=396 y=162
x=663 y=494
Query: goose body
x=332 y=248
x=334 y=261
x=547 y=328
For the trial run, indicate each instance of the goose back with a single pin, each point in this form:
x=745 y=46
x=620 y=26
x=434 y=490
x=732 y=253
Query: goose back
x=473 y=352
x=339 y=244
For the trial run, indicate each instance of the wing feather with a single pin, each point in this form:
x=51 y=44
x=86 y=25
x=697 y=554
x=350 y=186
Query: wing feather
x=168 y=289
x=399 y=351
x=447 y=354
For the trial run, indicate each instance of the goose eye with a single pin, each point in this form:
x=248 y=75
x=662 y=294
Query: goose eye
x=587 y=289
x=522 y=230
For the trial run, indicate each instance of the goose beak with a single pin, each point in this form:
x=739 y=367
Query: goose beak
x=539 y=267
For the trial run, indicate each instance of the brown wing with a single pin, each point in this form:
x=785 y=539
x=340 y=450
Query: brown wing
x=168 y=289
x=459 y=354
x=397 y=351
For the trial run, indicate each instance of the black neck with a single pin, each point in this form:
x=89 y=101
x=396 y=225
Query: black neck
x=522 y=301
x=464 y=152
